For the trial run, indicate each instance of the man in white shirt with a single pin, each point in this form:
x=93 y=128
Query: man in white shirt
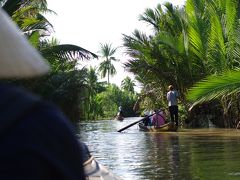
x=172 y=96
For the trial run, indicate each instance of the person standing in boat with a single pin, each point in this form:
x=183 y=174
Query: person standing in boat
x=120 y=111
x=158 y=118
x=172 y=97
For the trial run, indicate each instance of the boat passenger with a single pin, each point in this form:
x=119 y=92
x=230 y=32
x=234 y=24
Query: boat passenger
x=151 y=117
x=158 y=118
x=148 y=120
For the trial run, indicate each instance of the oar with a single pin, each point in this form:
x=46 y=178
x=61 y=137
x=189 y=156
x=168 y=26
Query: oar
x=128 y=126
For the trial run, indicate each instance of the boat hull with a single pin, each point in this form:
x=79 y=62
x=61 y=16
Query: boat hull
x=164 y=128
x=119 y=118
x=95 y=171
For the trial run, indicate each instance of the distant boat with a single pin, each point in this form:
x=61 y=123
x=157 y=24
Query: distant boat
x=119 y=118
x=163 y=128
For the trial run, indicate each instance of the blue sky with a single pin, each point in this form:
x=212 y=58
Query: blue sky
x=87 y=23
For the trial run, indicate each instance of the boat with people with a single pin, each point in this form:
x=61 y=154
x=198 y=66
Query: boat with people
x=157 y=124
x=164 y=128
x=119 y=118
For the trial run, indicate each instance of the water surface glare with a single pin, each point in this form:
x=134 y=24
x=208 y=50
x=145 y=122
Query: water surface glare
x=186 y=154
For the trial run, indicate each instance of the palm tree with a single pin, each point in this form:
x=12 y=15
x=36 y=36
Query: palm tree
x=162 y=58
x=222 y=54
x=214 y=87
x=66 y=84
x=128 y=84
x=224 y=88
x=106 y=67
x=192 y=42
x=28 y=15
x=92 y=86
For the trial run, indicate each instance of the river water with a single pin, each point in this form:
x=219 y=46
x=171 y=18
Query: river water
x=186 y=154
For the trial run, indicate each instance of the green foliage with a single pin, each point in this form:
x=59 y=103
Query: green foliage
x=128 y=84
x=114 y=97
x=188 y=44
x=106 y=67
x=66 y=51
x=66 y=84
x=215 y=87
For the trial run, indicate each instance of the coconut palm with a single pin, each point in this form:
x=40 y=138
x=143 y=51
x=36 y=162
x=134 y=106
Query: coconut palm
x=28 y=15
x=106 y=68
x=66 y=84
x=128 y=84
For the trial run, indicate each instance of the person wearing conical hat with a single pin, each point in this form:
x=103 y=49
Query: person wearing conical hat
x=36 y=139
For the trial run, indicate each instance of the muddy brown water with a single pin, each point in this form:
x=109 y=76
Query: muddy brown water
x=186 y=154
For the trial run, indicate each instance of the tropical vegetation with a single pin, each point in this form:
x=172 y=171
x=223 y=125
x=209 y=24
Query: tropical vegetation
x=128 y=84
x=106 y=67
x=187 y=45
x=73 y=87
x=195 y=47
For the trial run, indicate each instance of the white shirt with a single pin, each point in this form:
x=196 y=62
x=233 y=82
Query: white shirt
x=172 y=98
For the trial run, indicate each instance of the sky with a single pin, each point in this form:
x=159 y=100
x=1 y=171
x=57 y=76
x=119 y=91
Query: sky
x=88 y=23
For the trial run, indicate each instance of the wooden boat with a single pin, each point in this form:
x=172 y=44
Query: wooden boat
x=119 y=118
x=163 y=128
x=96 y=171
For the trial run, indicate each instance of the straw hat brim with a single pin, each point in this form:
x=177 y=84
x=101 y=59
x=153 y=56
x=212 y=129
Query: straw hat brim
x=18 y=59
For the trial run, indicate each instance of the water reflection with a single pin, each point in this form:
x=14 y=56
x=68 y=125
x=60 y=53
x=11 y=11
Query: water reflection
x=188 y=154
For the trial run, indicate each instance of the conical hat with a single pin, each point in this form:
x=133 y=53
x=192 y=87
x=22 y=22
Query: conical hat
x=18 y=59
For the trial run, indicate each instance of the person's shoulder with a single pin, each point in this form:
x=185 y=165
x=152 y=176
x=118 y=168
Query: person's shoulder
x=13 y=92
x=32 y=106
x=19 y=96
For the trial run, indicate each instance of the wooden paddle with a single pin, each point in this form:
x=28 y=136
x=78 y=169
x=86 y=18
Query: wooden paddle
x=128 y=126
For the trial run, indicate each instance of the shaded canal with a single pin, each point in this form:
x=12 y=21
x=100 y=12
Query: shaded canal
x=187 y=154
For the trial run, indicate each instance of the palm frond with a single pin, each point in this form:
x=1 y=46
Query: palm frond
x=34 y=39
x=197 y=27
x=151 y=16
x=67 y=51
x=106 y=50
x=215 y=87
x=216 y=41
x=103 y=68
x=176 y=43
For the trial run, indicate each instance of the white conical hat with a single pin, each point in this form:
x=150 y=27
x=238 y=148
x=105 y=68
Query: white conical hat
x=18 y=58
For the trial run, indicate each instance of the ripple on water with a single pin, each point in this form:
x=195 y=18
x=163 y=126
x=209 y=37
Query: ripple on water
x=187 y=154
